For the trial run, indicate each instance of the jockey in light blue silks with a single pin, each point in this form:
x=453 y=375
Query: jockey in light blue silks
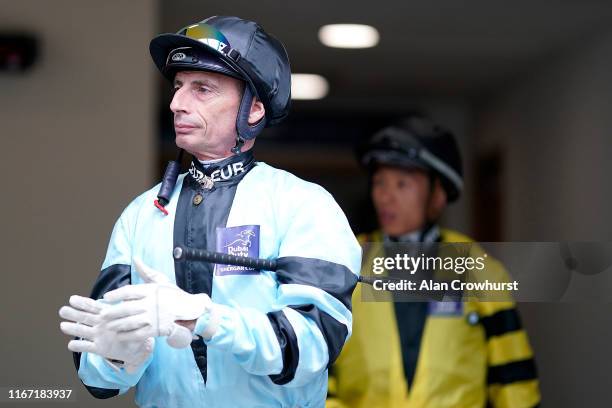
x=190 y=334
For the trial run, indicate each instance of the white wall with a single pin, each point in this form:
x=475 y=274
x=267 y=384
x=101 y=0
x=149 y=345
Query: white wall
x=554 y=126
x=76 y=144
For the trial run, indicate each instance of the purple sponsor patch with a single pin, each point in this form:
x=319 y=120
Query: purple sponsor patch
x=242 y=240
x=448 y=308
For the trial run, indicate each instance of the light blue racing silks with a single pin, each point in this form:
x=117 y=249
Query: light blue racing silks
x=279 y=331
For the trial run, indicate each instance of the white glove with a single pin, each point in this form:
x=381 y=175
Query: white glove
x=152 y=309
x=96 y=337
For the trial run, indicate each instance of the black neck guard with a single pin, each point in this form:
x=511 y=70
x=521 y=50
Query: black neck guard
x=226 y=171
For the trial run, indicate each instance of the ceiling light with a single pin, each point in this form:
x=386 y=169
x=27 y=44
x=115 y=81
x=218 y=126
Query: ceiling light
x=348 y=35
x=308 y=86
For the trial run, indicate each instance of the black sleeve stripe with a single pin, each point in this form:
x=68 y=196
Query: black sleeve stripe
x=100 y=393
x=109 y=279
x=288 y=344
x=333 y=331
x=523 y=370
x=333 y=278
x=502 y=322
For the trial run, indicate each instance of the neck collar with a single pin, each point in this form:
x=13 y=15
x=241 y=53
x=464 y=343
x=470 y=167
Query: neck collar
x=227 y=171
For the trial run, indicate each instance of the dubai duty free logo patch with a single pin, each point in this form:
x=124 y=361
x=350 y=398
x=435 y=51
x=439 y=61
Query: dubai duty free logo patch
x=242 y=240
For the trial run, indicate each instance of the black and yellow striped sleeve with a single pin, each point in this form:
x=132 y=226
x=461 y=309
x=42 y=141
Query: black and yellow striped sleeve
x=512 y=374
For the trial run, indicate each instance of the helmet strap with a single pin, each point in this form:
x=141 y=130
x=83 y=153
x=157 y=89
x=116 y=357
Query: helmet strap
x=429 y=222
x=239 y=142
x=246 y=131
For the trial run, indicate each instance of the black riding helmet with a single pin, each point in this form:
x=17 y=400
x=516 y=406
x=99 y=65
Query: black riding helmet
x=234 y=47
x=417 y=142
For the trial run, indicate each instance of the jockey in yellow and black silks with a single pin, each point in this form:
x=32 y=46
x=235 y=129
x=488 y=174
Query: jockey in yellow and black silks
x=428 y=354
